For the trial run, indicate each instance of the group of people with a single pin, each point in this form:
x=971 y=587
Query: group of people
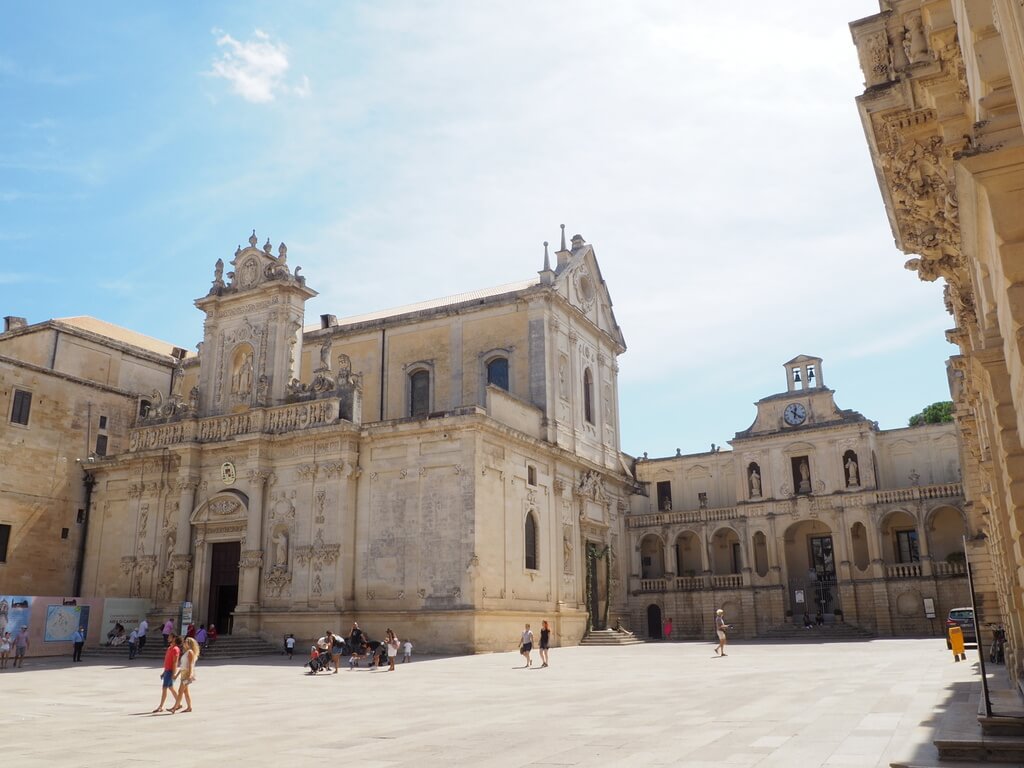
x=137 y=639
x=526 y=644
x=329 y=648
x=18 y=644
x=180 y=661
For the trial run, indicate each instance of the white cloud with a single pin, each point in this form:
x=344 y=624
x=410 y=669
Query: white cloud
x=256 y=68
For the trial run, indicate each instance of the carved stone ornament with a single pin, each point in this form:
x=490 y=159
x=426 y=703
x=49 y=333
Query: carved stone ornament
x=251 y=558
x=146 y=564
x=127 y=565
x=228 y=474
x=224 y=507
x=180 y=562
x=278 y=580
x=592 y=487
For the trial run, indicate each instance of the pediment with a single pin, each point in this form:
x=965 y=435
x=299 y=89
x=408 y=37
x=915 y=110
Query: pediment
x=221 y=507
x=698 y=471
x=581 y=283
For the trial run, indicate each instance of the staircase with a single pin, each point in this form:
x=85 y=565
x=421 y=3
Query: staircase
x=226 y=647
x=605 y=637
x=826 y=633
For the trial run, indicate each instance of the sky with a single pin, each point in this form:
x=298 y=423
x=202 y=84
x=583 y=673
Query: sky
x=711 y=153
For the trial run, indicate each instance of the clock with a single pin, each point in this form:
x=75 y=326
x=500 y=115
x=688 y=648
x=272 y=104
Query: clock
x=794 y=414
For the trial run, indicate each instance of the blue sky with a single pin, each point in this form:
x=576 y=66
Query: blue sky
x=407 y=150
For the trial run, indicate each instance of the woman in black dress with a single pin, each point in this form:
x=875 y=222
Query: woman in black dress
x=545 y=641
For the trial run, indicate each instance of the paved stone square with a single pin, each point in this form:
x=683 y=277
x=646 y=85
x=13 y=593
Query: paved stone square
x=794 y=705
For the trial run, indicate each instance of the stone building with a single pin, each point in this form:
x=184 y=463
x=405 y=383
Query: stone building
x=68 y=388
x=942 y=113
x=814 y=509
x=450 y=469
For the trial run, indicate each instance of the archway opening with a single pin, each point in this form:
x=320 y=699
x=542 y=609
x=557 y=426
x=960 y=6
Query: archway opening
x=652 y=558
x=811 y=568
x=654 y=622
x=688 y=555
x=726 y=557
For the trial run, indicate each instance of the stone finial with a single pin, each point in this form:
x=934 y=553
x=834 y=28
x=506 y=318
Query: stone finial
x=547 y=260
x=282 y=253
x=577 y=241
x=238 y=250
x=563 y=237
x=267 y=247
x=252 y=239
x=547 y=276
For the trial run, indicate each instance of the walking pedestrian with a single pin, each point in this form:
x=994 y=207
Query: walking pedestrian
x=78 y=641
x=171 y=657
x=201 y=637
x=133 y=644
x=545 y=641
x=392 y=641
x=667 y=631
x=289 y=647
x=526 y=645
x=143 y=629
x=168 y=631
x=720 y=628
x=5 y=649
x=21 y=647
x=407 y=651
x=186 y=675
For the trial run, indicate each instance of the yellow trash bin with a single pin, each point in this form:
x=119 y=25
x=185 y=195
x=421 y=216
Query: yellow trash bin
x=956 y=639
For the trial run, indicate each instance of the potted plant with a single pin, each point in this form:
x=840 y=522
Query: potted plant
x=838 y=614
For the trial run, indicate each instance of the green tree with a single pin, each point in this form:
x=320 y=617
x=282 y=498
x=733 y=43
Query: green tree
x=936 y=413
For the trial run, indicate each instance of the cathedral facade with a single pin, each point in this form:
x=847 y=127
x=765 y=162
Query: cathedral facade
x=814 y=511
x=451 y=469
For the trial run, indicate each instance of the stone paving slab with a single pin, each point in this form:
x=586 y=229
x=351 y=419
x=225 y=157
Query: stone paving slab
x=858 y=705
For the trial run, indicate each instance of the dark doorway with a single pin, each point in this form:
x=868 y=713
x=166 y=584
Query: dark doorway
x=822 y=573
x=224 y=559
x=597 y=585
x=654 y=622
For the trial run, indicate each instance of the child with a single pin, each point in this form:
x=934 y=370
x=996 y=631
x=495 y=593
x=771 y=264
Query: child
x=133 y=644
x=407 y=651
x=289 y=645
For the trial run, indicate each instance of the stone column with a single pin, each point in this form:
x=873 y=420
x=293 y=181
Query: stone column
x=251 y=565
x=923 y=543
x=181 y=559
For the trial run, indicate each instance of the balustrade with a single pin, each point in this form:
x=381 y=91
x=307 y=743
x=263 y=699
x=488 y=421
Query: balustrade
x=903 y=571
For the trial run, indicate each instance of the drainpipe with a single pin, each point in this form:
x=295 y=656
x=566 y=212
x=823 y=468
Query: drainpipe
x=89 y=481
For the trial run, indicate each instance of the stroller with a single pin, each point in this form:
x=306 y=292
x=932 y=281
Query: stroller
x=319 y=661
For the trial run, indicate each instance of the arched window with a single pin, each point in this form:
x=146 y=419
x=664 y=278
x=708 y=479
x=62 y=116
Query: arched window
x=588 y=396
x=419 y=393
x=530 y=541
x=497 y=372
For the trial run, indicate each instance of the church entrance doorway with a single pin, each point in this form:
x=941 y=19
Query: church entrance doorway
x=598 y=567
x=224 y=559
x=654 y=622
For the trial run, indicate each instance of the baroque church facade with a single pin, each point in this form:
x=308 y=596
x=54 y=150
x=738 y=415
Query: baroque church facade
x=451 y=469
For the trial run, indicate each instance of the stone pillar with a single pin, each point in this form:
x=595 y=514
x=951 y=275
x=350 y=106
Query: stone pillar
x=251 y=565
x=923 y=543
x=181 y=559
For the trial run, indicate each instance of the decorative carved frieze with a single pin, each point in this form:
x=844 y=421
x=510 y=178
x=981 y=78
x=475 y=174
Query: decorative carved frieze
x=278 y=580
x=251 y=558
x=181 y=562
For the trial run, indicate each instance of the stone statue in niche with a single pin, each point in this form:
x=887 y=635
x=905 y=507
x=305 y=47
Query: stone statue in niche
x=755 y=482
x=193 y=400
x=280 y=543
x=325 y=355
x=805 y=477
x=852 y=475
x=241 y=381
x=563 y=387
x=218 y=273
x=567 y=549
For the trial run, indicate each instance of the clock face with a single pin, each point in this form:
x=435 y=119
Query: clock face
x=794 y=414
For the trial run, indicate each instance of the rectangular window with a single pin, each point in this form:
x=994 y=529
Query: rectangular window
x=101 y=445
x=103 y=422
x=531 y=475
x=64 y=533
x=906 y=547
x=664 y=495
x=5 y=537
x=81 y=516
x=22 y=406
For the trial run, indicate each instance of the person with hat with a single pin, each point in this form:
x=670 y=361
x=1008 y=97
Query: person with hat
x=720 y=628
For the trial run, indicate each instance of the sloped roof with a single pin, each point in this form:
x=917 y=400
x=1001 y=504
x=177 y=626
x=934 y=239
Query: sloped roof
x=441 y=303
x=117 y=333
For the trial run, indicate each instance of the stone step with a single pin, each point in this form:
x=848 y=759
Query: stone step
x=985 y=749
x=610 y=637
x=816 y=634
x=226 y=647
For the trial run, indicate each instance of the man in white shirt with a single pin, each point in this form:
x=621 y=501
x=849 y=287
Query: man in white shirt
x=142 y=630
